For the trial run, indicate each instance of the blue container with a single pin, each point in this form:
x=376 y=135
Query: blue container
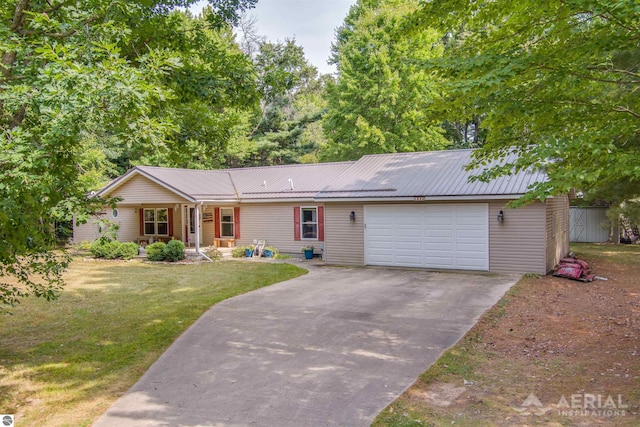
x=248 y=253
x=308 y=254
x=268 y=253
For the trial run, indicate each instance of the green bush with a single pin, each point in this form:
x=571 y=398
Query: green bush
x=128 y=250
x=99 y=248
x=174 y=251
x=238 y=251
x=155 y=251
x=104 y=248
x=112 y=249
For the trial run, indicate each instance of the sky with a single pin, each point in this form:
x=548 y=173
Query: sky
x=311 y=22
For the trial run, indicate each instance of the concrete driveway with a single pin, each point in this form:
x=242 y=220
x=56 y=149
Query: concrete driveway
x=331 y=348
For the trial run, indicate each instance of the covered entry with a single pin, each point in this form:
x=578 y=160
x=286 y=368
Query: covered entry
x=448 y=236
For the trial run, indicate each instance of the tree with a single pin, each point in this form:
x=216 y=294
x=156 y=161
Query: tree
x=555 y=81
x=291 y=106
x=381 y=100
x=68 y=94
x=214 y=90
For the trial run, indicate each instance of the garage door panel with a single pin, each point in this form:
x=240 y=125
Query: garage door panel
x=437 y=262
x=471 y=234
x=470 y=248
x=437 y=236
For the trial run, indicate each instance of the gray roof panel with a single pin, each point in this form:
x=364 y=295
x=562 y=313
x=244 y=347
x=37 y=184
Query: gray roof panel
x=423 y=174
x=381 y=176
x=273 y=181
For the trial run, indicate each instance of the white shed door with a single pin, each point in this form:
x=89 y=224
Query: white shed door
x=448 y=236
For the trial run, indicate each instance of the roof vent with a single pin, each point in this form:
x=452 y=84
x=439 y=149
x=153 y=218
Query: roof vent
x=291 y=184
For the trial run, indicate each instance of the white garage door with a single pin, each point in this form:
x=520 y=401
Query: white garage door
x=453 y=236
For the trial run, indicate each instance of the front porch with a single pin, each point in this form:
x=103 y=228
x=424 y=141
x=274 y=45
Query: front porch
x=196 y=225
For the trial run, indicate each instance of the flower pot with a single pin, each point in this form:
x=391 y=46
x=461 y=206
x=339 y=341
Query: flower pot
x=308 y=254
x=248 y=253
x=268 y=254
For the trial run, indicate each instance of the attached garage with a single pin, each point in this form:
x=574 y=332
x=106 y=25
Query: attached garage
x=447 y=236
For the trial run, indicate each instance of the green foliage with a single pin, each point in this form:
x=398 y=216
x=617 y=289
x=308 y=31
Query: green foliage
x=100 y=248
x=274 y=251
x=174 y=251
x=238 y=251
x=128 y=250
x=381 y=100
x=87 y=88
x=155 y=251
x=213 y=254
x=555 y=81
x=287 y=128
x=104 y=248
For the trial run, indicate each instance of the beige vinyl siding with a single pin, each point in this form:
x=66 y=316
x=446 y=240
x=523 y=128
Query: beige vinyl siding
x=517 y=245
x=344 y=239
x=127 y=221
x=208 y=228
x=557 y=230
x=86 y=232
x=142 y=190
x=273 y=223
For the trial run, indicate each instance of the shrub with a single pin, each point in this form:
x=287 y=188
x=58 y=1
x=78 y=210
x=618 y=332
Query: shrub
x=213 y=254
x=99 y=248
x=112 y=249
x=238 y=251
x=155 y=251
x=104 y=248
x=174 y=251
x=128 y=250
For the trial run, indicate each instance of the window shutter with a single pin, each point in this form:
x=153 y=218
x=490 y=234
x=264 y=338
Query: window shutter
x=217 y=222
x=321 y=223
x=296 y=223
x=236 y=223
x=170 y=212
x=141 y=210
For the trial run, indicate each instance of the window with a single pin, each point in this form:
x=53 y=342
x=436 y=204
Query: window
x=309 y=223
x=156 y=222
x=226 y=222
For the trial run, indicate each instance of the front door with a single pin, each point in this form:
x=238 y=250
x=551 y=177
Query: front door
x=190 y=225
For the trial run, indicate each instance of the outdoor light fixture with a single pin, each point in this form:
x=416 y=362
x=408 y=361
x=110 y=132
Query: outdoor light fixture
x=500 y=216
x=352 y=216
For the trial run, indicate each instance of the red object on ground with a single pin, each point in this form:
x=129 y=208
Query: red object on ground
x=575 y=269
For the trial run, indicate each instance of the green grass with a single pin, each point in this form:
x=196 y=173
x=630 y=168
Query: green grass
x=603 y=252
x=64 y=362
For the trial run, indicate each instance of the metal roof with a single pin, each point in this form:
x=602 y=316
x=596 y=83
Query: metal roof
x=422 y=174
x=380 y=176
x=287 y=181
x=198 y=184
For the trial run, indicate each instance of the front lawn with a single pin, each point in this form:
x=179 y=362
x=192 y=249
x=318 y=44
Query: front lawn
x=63 y=363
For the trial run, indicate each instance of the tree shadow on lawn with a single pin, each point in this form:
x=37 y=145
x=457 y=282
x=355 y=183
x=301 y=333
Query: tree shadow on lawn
x=66 y=361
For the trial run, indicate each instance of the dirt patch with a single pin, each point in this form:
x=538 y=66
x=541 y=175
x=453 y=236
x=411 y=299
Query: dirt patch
x=552 y=352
